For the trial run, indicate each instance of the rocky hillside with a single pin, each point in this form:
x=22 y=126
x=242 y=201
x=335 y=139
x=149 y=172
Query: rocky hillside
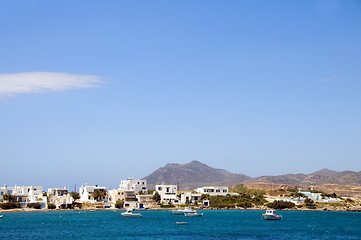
x=192 y=175
x=196 y=174
x=323 y=176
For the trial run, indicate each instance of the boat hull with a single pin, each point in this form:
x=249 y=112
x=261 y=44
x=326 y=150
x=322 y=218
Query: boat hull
x=271 y=217
x=193 y=214
x=135 y=215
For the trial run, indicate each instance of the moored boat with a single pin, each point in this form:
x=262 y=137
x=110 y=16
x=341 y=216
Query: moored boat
x=129 y=213
x=181 y=223
x=193 y=214
x=183 y=211
x=271 y=215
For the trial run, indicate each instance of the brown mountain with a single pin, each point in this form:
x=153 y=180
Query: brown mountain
x=192 y=175
x=196 y=174
x=323 y=176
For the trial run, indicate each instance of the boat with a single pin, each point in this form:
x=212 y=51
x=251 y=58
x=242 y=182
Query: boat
x=183 y=211
x=1 y=216
x=193 y=214
x=181 y=223
x=129 y=213
x=271 y=215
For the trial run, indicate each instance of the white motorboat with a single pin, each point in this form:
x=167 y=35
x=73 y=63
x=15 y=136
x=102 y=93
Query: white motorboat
x=1 y=216
x=182 y=223
x=271 y=215
x=183 y=211
x=193 y=214
x=129 y=213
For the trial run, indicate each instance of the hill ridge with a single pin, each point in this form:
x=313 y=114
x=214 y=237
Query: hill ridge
x=195 y=174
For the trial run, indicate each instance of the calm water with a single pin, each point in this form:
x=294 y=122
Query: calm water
x=228 y=224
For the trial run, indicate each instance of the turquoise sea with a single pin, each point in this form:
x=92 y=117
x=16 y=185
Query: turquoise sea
x=214 y=224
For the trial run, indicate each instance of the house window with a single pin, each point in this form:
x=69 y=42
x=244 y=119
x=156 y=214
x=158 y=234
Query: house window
x=218 y=190
x=225 y=190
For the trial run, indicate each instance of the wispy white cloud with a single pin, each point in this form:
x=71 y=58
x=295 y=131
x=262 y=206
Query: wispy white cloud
x=330 y=79
x=37 y=82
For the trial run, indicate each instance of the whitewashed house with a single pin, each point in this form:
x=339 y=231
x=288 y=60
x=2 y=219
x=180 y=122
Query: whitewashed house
x=60 y=197
x=145 y=200
x=86 y=191
x=130 y=200
x=213 y=190
x=190 y=198
x=115 y=195
x=295 y=200
x=168 y=193
x=25 y=194
x=134 y=185
x=317 y=197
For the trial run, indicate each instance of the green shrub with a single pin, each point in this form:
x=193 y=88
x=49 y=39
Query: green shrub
x=119 y=204
x=279 y=204
x=34 y=205
x=167 y=206
x=9 y=205
x=156 y=197
x=75 y=195
x=51 y=206
x=309 y=202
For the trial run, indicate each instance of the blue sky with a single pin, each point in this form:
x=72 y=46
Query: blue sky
x=97 y=92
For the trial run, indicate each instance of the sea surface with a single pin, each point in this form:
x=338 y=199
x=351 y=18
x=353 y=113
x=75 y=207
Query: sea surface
x=214 y=224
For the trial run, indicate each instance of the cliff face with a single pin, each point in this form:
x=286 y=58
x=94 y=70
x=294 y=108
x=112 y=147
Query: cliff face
x=196 y=174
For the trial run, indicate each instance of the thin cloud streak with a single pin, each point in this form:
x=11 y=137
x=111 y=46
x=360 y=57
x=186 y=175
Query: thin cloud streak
x=330 y=79
x=38 y=82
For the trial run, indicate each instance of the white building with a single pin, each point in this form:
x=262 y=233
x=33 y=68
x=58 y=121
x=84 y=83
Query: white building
x=213 y=190
x=86 y=191
x=317 y=197
x=60 y=197
x=130 y=200
x=145 y=201
x=115 y=195
x=187 y=198
x=25 y=194
x=296 y=200
x=134 y=185
x=168 y=193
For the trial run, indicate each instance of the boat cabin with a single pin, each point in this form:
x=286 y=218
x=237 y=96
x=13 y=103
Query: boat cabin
x=271 y=212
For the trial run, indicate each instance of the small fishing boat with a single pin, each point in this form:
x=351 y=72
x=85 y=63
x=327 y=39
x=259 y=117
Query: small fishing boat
x=182 y=223
x=271 y=215
x=193 y=214
x=183 y=211
x=129 y=213
x=1 y=216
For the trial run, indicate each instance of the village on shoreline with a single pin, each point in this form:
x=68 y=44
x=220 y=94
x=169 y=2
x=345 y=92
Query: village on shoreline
x=134 y=194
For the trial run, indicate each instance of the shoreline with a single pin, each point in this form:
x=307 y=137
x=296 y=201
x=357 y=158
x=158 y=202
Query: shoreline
x=170 y=209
